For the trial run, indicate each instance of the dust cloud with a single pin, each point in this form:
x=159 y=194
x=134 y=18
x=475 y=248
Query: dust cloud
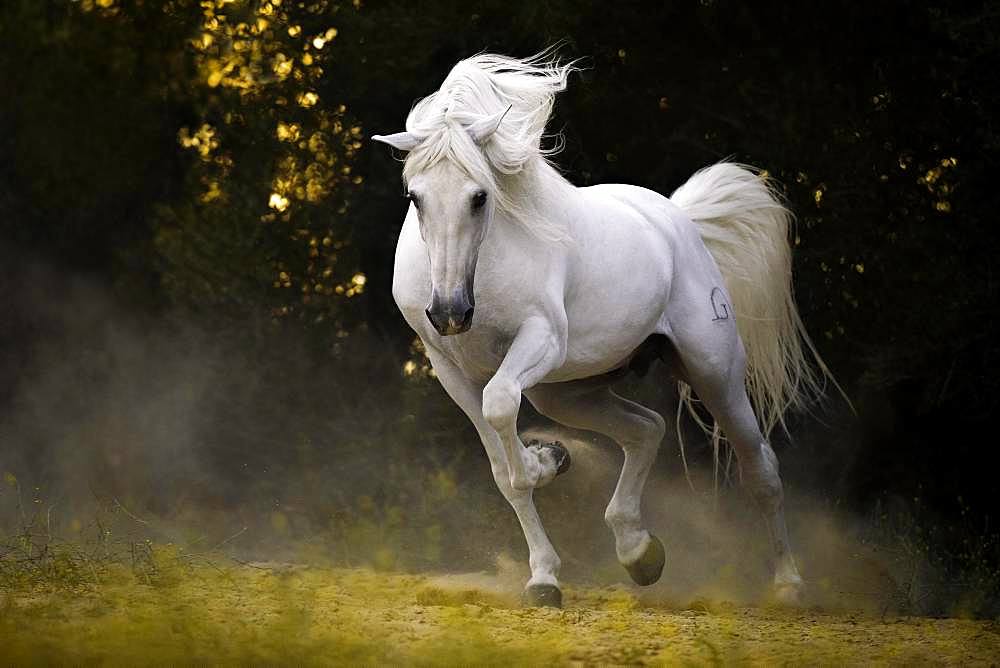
x=716 y=541
x=262 y=445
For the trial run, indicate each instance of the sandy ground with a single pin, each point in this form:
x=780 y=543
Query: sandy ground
x=277 y=614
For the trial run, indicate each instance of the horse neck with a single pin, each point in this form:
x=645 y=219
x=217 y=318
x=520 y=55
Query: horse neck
x=551 y=195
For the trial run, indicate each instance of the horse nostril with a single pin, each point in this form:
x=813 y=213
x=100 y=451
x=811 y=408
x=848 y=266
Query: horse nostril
x=430 y=317
x=449 y=322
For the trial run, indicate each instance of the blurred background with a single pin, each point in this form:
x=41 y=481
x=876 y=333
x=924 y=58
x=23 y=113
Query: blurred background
x=196 y=239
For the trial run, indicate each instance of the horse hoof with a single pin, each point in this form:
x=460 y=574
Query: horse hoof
x=559 y=454
x=647 y=569
x=542 y=596
x=789 y=594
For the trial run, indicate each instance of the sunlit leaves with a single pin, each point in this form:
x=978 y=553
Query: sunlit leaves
x=419 y=365
x=818 y=194
x=307 y=99
x=203 y=140
x=288 y=131
x=106 y=7
x=319 y=41
x=939 y=182
x=274 y=155
x=282 y=66
x=278 y=202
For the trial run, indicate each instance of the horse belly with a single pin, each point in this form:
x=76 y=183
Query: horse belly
x=609 y=318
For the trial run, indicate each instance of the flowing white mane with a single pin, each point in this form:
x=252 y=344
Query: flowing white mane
x=511 y=159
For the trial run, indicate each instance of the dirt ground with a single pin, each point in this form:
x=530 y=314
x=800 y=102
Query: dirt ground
x=268 y=613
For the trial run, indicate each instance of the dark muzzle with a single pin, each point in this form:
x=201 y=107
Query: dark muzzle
x=453 y=316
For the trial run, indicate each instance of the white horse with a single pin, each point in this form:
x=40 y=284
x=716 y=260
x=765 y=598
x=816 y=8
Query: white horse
x=519 y=283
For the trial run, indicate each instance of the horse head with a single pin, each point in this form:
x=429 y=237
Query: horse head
x=454 y=210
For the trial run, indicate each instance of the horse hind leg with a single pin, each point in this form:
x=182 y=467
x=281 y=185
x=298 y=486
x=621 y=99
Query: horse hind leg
x=638 y=431
x=715 y=367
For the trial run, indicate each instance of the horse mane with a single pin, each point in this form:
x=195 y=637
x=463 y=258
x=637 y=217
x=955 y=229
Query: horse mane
x=512 y=161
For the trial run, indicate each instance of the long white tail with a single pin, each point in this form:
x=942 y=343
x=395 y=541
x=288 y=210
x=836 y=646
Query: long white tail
x=746 y=228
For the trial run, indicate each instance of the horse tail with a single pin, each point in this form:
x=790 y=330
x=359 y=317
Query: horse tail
x=746 y=228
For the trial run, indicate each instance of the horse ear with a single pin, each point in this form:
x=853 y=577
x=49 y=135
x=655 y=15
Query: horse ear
x=483 y=129
x=404 y=141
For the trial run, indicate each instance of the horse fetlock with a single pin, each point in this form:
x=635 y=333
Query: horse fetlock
x=552 y=458
x=790 y=579
x=631 y=539
x=620 y=519
x=786 y=574
x=544 y=568
x=789 y=592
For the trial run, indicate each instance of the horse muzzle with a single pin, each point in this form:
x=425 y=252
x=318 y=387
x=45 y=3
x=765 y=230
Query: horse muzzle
x=451 y=317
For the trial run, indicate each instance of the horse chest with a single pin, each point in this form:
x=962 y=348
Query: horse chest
x=478 y=352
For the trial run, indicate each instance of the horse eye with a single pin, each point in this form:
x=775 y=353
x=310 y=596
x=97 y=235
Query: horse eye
x=413 y=198
x=478 y=200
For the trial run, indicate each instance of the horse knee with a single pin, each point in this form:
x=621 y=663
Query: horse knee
x=501 y=401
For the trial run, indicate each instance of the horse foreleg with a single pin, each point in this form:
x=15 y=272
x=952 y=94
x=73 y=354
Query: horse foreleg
x=638 y=431
x=536 y=350
x=543 y=587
